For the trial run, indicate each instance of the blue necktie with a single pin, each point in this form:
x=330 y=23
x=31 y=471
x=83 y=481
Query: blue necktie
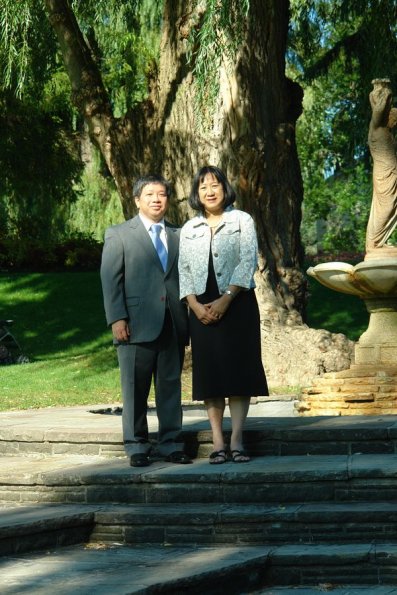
x=158 y=244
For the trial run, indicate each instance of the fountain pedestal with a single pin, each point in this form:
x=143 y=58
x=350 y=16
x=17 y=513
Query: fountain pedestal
x=378 y=344
x=369 y=386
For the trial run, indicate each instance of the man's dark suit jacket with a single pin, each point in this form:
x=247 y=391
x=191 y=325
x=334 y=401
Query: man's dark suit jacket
x=135 y=287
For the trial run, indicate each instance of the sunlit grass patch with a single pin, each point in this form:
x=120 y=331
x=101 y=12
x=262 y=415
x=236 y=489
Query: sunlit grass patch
x=60 y=323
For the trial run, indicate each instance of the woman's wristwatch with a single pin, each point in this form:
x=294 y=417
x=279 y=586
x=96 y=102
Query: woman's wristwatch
x=230 y=293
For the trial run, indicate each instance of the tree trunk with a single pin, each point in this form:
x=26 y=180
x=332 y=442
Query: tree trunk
x=250 y=134
x=120 y=140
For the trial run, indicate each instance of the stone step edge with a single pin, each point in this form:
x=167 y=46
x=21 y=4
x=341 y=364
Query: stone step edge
x=84 y=521
x=345 y=589
x=32 y=516
x=96 y=482
x=311 y=565
x=201 y=449
x=94 y=471
x=261 y=565
x=299 y=432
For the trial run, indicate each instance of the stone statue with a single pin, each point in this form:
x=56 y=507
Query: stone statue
x=383 y=216
x=362 y=390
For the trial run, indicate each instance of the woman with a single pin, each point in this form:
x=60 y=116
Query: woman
x=217 y=261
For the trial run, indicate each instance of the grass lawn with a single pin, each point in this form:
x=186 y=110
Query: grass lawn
x=60 y=323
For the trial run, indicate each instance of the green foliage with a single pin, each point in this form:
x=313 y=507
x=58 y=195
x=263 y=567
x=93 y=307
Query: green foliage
x=45 y=198
x=39 y=161
x=335 y=50
x=321 y=30
x=343 y=202
x=26 y=58
x=125 y=39
x=98 y=204
x=79 y=252
x=123 y=36
x=336 y=312
x=39 y=152
x=15 y=27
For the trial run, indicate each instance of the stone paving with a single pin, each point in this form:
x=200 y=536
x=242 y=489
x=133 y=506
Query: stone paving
x=115 y=570
x=84 y=570
x=329 y=588
x=119 y=569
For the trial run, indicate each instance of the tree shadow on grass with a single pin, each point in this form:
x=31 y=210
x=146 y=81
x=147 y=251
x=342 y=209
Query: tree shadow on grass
x=55 y=314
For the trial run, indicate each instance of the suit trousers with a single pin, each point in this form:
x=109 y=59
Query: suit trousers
x=160 y=360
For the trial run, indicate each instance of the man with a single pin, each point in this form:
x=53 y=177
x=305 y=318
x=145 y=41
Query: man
x=139 y=274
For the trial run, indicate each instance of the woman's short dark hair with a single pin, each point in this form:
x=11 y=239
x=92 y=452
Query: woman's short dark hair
x=194 y=200
x=143 y=181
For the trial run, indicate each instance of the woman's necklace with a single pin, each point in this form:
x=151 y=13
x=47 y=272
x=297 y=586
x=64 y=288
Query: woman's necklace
x=214 y=223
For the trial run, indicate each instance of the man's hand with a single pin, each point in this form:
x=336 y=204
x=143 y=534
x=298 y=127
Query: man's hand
x=121 y=330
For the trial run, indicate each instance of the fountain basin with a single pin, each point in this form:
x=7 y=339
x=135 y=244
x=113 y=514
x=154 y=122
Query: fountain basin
x=369 y=279
x=375 y=282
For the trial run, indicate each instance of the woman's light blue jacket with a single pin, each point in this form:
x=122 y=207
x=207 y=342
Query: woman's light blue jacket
x=234 y=252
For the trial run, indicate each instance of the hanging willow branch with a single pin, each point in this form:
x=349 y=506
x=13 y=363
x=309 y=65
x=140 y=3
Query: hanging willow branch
x=216 y=37
x=15 y=26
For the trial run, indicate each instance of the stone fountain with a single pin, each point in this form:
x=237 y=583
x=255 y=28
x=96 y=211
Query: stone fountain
x=369 y=386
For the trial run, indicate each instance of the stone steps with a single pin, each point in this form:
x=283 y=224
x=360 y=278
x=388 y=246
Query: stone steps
x=39 y=527
x=264 y=436
x=278 y=524
x=195 y=570
x=31 y=528
x=369 y=389
x=334 y=564
x=329 y=587
x=316 y=507
x=95 y=480
x=134 y=570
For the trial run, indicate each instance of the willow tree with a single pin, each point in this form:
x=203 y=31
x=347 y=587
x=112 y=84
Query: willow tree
x=218 y=94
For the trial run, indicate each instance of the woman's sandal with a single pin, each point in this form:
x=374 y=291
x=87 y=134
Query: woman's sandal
x=237 y=455
x=218 y=457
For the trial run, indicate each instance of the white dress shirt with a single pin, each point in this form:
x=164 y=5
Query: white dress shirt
x=148 y=224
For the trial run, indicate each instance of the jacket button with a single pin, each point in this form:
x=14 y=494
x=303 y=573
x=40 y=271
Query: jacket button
x=216 y=254
x=219 y=274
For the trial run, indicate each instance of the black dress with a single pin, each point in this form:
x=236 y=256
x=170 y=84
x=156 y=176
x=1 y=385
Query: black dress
x=226 y=355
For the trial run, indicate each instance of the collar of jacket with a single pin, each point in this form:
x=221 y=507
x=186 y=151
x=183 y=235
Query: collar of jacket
x=229 y=214
x=137 y=222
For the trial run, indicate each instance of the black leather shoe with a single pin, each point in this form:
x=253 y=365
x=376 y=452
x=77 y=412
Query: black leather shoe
x=140 y=460
x=178 y=456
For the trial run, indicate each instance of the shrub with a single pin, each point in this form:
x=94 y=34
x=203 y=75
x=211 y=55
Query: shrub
x=30 y=254
x=81 y=253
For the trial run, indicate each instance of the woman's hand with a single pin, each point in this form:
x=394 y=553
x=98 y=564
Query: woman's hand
x=203 y=314
x=218 y=307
